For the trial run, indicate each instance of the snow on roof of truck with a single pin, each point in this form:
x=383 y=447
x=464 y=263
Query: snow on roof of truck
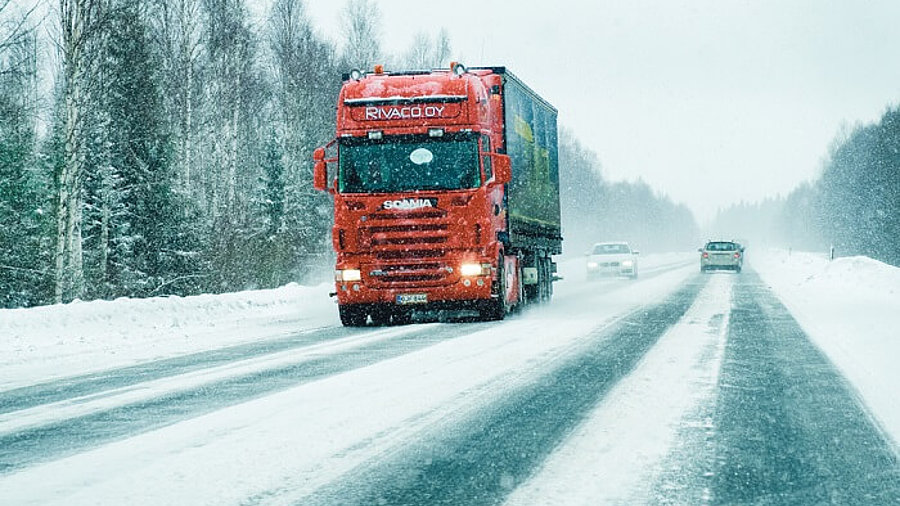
x=399 y=98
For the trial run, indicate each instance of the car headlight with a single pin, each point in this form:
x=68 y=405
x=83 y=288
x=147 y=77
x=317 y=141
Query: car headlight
x=592 y=265
x=473 y=269
x=348 y=275
x=627 y=263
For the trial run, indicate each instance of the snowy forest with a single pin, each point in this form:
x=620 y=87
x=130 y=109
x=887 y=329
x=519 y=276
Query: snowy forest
x=158 y=147
x=853 y=206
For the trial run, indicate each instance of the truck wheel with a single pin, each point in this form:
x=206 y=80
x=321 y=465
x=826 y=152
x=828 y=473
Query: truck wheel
x=352 y=316
x=401 y=317
x=381 y=316
x=546 y=280
x=496 y=309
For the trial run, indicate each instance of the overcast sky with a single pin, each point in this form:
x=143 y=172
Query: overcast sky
x=709 y=101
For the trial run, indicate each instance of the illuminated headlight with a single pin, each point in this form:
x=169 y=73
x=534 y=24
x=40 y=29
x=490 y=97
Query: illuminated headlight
x=348 y=275
x=627 y=263
x=473 y=269
x=592 y=265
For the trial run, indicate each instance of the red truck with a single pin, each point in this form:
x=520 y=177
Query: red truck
x=446 y=194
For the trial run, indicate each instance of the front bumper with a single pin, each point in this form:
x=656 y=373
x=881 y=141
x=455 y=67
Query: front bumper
x=599 y=269
x=465 y=289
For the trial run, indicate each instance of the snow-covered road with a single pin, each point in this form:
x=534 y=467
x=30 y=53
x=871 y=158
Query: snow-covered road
x=675 y=388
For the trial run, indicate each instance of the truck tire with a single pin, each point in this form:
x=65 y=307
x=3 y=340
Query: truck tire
x=401 y=317
x=352 y=316
x=381 y=316
x=497 y=309
x=546 y=280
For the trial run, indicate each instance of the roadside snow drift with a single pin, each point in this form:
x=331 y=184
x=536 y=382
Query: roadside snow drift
x=43 y=343
x=850 y=308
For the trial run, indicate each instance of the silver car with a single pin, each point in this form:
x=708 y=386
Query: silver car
x=727 y=255
x=612 y=259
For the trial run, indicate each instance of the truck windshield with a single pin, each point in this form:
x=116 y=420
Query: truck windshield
x=408 y=164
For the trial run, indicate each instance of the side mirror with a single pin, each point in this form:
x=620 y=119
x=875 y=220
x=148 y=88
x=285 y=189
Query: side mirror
x=699 y=250
x=502 y=169
x=320 y=170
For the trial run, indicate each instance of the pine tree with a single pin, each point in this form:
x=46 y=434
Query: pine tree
x=25 y=278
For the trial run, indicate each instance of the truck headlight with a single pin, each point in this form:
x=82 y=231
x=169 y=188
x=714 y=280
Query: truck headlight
x=348 y=275
x=627 y=263
x=473 y=269
x=592 y=265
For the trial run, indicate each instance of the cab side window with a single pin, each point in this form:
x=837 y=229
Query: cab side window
x=486 y=160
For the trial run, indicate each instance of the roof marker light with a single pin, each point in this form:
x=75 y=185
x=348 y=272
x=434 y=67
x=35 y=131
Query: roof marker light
x=375 y=135
x=435 y=132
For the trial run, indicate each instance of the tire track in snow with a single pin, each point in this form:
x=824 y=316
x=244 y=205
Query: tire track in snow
x=29 y=446
x=790 y=429
x=483 y=460
x=94 y=383
x=614 y=456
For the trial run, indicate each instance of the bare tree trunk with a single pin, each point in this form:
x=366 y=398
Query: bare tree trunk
x=62 y=215
x=103 y=275
x=233 y=151
x=187 y=134
x=77 y=18
x=188 y=45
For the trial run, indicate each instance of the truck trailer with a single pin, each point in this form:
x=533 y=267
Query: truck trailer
x=446 y=194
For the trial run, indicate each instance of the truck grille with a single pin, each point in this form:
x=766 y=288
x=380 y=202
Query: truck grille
x=409 y=253
x=408 y=215
x=408 y=247
x=409 y=273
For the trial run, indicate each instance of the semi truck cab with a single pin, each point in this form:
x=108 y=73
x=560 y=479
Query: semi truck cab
x=420 y=179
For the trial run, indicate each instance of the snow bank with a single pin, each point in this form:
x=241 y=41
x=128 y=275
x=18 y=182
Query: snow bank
x=38 y=344
x=45 y=343
x=850 y=308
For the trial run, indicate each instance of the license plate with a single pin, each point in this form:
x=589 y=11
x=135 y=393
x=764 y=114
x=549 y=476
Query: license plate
x=412 y=298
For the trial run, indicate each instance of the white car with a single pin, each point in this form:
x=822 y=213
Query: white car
x=612 y=259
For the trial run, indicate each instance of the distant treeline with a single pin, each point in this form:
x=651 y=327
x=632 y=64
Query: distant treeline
x=170 y=150
x=854 y=206
x=597 y=210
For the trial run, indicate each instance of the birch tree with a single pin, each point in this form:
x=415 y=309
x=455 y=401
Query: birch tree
x=426 y=52
x=306 y=84
x=79 y=20
x=178 y=33
x=228 y=46
x=360 y=20
x=16 y=31
x=236 y=121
